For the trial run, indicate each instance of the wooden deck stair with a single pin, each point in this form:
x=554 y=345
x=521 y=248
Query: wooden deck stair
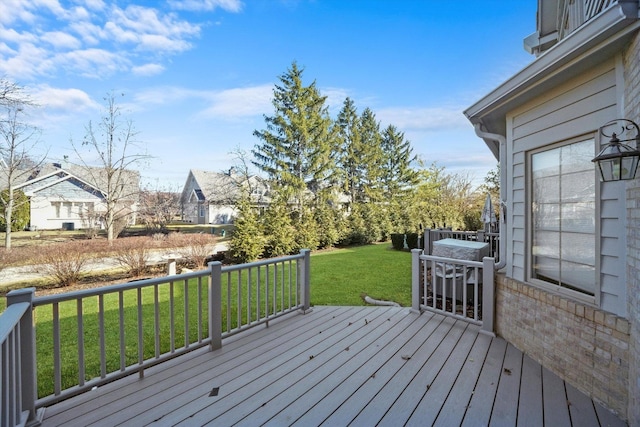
x=336 y=366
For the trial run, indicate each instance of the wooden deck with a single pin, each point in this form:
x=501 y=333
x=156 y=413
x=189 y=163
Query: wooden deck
x=336 y=366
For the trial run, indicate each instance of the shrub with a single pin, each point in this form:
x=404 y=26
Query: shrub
x=132 y=253
x=196 y=248
x=412 y=240
x=397 y=241
x=63 y=262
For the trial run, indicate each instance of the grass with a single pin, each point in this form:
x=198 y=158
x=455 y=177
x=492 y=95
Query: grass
x=338 y=277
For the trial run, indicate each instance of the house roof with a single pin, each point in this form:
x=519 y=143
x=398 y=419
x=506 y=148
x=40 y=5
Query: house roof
x=92 y=178
x=599 y=38
x=222 y=187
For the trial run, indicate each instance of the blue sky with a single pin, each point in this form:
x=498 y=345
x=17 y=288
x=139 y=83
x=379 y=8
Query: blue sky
x=197 y=75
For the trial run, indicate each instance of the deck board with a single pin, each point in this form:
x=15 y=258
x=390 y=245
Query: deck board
x=342 y=366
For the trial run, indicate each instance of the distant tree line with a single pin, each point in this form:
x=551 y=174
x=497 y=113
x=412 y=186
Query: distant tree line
x=341 y=181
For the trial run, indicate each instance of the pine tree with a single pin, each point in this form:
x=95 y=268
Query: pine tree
x=296 y=146
x=247 y=241
x=278 y=229
x=371 y=158
x=350 y=153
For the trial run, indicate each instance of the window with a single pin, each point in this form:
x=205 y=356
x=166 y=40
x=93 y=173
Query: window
x=563 y=227
x=201 y=211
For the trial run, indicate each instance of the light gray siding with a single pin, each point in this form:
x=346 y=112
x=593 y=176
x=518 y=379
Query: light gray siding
x=573 y=110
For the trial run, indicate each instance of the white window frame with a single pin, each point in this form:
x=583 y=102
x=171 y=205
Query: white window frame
x=546 y=285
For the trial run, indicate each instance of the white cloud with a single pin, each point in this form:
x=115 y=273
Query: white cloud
x=240 y=102
x=147 y=69
x=61 y=40
x=207 y=5
x=64 y=100
x=423 y=118
x=88 y=36
x=94 y=63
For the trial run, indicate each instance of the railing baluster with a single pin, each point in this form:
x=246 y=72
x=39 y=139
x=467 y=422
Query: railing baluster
x=239 y=300
x=228 y=311
x=156 y=321
x=199 y=301
x=140 y=333
x=172 y=320
x=57 y=364
x=186 y=313
x=249 y=313
x=266 y=289
x=80 y=323
x=258 y=294
x=103 y=346
x=123 y=344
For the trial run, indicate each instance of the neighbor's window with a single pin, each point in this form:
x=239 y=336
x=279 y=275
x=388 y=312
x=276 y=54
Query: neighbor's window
x=563 y=228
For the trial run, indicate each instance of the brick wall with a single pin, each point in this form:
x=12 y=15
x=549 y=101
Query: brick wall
x=589 y=348
x=632 y=111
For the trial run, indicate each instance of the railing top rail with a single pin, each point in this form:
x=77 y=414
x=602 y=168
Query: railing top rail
x=67 y=296
x=85 y=293
x=269 y=261
x=11 y=317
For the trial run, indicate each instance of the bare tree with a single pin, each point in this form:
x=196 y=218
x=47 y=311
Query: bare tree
x=113 y=141
x=19 y=140
x=158 y=207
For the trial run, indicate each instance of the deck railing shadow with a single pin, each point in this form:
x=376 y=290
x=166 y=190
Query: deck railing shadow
x=195 y=309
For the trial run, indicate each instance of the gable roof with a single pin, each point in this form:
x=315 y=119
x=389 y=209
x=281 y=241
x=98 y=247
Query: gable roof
x=92 y=180
x=221 y=187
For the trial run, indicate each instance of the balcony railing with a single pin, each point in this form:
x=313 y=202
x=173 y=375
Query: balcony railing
x=153 y=321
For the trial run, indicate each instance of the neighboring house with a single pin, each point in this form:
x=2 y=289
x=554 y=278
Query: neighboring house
x=211 y=197
x=569 y=292
x=70 y=197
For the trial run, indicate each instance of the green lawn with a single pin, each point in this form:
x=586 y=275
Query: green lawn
x=339 y=277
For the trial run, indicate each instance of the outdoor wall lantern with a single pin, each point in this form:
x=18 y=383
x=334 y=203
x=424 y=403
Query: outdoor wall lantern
x=618 y=161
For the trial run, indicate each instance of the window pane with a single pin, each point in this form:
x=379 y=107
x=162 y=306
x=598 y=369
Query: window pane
x=563 y=212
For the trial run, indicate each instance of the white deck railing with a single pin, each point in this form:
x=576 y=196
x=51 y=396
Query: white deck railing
x=154 y=320
x=460 y=288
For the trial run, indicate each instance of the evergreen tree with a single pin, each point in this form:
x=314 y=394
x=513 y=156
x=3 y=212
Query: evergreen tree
x=247 y=241
x=350 y=153
x=278 y=229
x=398 y=176
x=371 y=158
x=296 y=146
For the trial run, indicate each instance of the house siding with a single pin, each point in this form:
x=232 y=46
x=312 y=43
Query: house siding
x=632 y=111
x=573 y=110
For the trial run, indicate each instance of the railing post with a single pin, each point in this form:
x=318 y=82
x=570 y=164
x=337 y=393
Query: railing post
x=427 y=241
x=304 y=274
x=27 y=354
x=488 y=296
x=415 y=280
x=215 y=305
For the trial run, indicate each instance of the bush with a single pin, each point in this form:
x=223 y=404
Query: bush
x=132 y=253
x=412 y=240
x=397 y=241
x=63 y=262
x=196 y=248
